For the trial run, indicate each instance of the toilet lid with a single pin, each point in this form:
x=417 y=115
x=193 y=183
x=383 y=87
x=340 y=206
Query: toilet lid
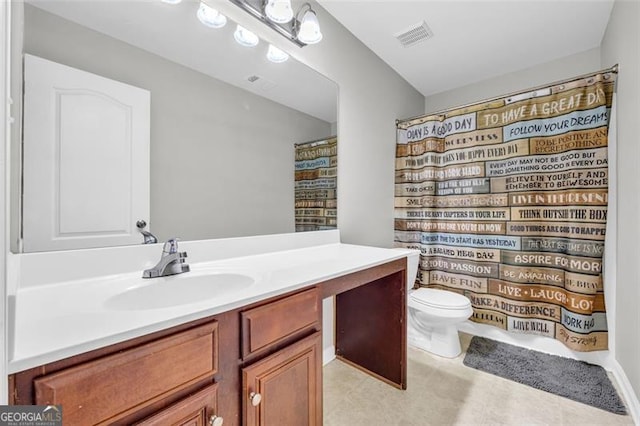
x=439 y=299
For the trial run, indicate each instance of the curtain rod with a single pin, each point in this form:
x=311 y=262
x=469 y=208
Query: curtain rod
x=613 y=69
x=327 y=139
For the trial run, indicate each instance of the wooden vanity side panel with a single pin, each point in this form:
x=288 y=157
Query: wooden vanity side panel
x=280 y=321
x=371 y=332
x=110 y=388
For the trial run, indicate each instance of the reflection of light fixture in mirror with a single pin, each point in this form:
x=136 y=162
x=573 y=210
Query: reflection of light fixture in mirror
x=245 y=37
x=276 y=55
x=279 y=11
x=302 y=29
x=307 y=29
x=171 y=1
x=210 y=16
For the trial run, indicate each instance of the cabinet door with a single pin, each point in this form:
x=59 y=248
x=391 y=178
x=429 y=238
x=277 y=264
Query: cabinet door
x=199 y=409
x=86 y=159
x=286 y=387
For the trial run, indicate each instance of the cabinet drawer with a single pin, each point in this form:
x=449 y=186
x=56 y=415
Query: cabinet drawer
x=197 y=409
x=109 y=388
x=280 y=322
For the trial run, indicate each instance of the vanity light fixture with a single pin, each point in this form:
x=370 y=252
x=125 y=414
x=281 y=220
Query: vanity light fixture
x=171 y=1
x=279 y=11
x=210 y=16
x=245 y=37
x=276 y=55
x=302 y=28
x=307 y=28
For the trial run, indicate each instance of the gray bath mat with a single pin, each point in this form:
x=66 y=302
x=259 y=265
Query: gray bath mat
x=577 y=380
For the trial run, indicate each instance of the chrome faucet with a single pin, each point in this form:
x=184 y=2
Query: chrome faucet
x=171 y=262
x=149 y=238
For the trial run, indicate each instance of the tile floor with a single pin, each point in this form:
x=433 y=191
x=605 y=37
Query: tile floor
x=445 y=392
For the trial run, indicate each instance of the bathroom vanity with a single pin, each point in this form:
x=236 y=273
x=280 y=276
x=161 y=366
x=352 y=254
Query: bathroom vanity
x=254 y=360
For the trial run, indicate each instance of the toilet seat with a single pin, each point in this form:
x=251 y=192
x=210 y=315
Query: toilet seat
x=439 y=299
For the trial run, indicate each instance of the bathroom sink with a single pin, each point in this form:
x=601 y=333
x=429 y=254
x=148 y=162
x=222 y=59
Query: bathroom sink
x=176 y=290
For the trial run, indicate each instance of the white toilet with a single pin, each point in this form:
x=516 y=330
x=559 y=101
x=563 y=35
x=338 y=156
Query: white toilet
x=434 y=315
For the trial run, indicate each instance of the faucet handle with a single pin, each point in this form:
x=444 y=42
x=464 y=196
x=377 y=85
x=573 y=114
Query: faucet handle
x=171 y=246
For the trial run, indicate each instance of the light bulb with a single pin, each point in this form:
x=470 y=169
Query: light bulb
x=279 y=11
x=276 y=55
x=309 y=31
x=245 y=37
x=210 y=16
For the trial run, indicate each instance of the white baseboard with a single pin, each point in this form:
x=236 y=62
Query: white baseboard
x=630 y=397
x=328 y=355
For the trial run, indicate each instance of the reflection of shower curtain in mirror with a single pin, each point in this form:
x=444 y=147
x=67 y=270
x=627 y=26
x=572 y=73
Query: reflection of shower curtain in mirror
x=316 y=185
x=507 y=201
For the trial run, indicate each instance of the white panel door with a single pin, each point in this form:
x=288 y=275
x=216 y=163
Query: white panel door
x=86 y=159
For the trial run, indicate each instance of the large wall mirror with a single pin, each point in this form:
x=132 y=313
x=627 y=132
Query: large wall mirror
x=223 y=118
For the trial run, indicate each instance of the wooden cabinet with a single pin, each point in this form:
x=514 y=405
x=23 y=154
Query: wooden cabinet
x=113 y=388
x=286 y=387
x=197 y=410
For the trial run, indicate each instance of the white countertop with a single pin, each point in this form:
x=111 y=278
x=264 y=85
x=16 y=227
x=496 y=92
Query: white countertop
x=57 y=320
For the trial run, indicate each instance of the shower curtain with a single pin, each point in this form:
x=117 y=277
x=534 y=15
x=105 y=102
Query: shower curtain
x=316 y=185
x=507 y=201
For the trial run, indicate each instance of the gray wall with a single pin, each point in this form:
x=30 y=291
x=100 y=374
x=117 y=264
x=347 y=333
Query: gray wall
x=222 y=159
x=371 y=97
x=621 y=45
x=549 y=72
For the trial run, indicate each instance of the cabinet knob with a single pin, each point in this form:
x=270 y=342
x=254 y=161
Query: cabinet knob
x=216 y=421
x=255 y=398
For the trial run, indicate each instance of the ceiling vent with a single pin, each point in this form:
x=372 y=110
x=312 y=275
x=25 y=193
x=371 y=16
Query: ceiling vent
x=261 y=82
x=415 y=34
